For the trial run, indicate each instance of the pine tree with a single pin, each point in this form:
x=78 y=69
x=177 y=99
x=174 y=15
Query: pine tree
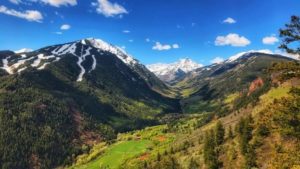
x=230 y=133
x=210 y=155
x=291 y=34
x=219 y=133
x=193 y=164
x=158 y=156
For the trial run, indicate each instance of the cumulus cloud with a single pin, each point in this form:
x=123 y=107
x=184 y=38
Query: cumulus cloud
x=217 y=60
x=15 y=1
x=58 y=3
x=175 y=46
x=147 y=39
x=126 y=31
x=65 y=27
x=233 y=40
x=109 y=9
x=229 y=20
x=160 y=47
x=270 y=40
x=30 y=15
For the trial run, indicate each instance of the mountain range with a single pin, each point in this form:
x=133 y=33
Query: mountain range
x=68 y=104
x=172 y=72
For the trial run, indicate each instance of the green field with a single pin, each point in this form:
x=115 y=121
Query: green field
x=116 y=154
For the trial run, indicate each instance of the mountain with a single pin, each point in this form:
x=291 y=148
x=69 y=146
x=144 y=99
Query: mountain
x=264 y=133
x=67 y=104
x=207 y=88
x=59 y=98
x=172 y=72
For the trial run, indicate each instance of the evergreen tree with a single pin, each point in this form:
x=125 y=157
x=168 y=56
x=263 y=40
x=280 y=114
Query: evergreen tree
x=230 y=133
x=210 y=155
x=219 y=133
x=193 y=164
x=158 y=158
x=291 y=34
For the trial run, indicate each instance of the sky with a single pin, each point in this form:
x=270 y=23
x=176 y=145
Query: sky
x=206 y=31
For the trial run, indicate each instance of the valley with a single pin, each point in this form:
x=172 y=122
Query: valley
x=210 y=118
x=150 y=84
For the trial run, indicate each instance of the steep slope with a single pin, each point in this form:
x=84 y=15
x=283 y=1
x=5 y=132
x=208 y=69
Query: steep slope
x=264 y=134
x=173 y=72
x=207 y=88
x=58 y=98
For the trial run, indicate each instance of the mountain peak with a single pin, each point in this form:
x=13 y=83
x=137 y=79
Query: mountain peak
x=82 y=50
x=107 y=47
x=172 y=71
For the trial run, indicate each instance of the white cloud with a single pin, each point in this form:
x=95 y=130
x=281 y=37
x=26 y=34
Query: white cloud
x=270 y=40
x=65 y=27
x=126 y=31
x=130 y=40
x=58 y=3
x=175 y=46
x=15 y=1
x=147 y=40
x=232 y=39
x=217 y=60
x=160 y=47
x=30 y=15
x=293 y=56
x=229 y=20
x=109 y=9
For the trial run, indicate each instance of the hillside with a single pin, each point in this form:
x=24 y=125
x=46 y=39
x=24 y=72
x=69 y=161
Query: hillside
x=210 y=88
x=260 y=135
x=59 y=98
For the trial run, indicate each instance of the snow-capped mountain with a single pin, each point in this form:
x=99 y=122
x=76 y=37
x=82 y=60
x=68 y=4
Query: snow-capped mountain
x=173 y=71
x=39 y=59
x=86 y=52
x=85 y=86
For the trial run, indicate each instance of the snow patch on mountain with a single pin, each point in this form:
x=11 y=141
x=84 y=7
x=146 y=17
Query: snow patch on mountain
x=94 y=63
x=24 y=50
x=104 y=46
x=237 y=56
x=79 y=62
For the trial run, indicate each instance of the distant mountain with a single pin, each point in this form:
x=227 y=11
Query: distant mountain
x=172 y=72
x=60 y=97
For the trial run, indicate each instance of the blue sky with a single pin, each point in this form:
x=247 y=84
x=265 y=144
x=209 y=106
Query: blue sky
x=150 y=30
